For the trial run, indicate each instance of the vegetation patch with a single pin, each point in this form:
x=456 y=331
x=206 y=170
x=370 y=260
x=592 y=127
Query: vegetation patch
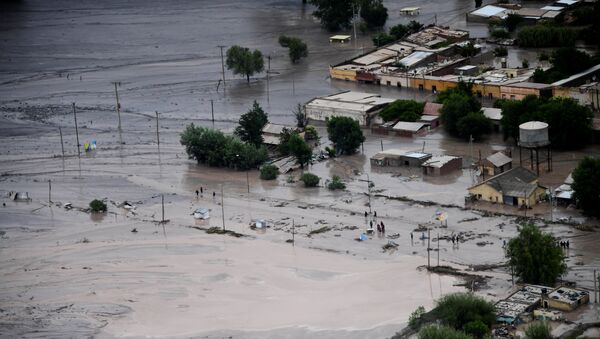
x=323 y=229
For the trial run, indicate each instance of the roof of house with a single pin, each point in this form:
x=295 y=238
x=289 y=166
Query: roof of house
x=499 y=159
x=576 y=76
x=515 y=182
x=531 y=12
x=428 y=118
x=567 y=295
x=401 y=153
x=274 y=128
x=432 y=108
x=439 y=161
x=409 y=126
x=492 y=113
x=489 y=11
x=414 y=58
x=350 y=101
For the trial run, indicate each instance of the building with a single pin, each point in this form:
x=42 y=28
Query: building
x=487 y=13
x=526 y=299
x=565 y=299
x=396 y=158
x=518 y=187
x=495 y=164
x=469 y=70
x=340 y=38
x=409 y=129
x=432 y=121
x=442 y=165
x=271 y=133
x=495 y=115
x=359 y=106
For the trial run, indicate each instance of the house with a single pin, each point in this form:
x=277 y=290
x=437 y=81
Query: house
x=526 y=299
x=432 y=108
x=431 y=120
x=495 y=164
x=409 y=129
x=442 y=165
x=359 y=106
x=565 y=299
x=272 y=132
x=563 y=194
x=518 y=187
x=397 y=157
x=340 y=38
x=495 y=115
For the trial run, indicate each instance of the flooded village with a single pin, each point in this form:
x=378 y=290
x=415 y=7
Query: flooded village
x=431 y=175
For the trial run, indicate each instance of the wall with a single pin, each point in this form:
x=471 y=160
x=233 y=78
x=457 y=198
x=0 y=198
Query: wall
x=487 y=193
x=324 y=114
x=340 y=74
x=517 y=93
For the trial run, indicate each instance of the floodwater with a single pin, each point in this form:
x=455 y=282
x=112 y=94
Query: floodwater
x=68 y=272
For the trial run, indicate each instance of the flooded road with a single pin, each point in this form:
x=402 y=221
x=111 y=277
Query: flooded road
x=68 y=272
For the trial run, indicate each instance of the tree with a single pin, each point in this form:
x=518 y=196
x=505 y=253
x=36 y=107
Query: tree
x=459 y=309
x=546 y=36
x=456 y=107
x=299 y=149
x=512 y=21
x=536 y=257
x=334 y=14
x=477 y=329
x=300 y=116
x=336 y=184
x=474 y=124
x=414 y=26
x=382 y=39
x=500 y=51
x=251 y=125
x=586 y=180
x=310 y=180
x=297 y=48
x=441 y=332
x=468 y=50
x=345 y=134
x=284 y=138
x=242 y=61
x=374 y=13
x=269 y=172
x=404 y=110
x=538 y=330
x=399 y=31
x=97 y=206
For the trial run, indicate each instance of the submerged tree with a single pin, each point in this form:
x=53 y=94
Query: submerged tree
x=586 y=180
x=244 y=62
x=297 y=48
x=334 y=14
x=251 y=125
x=345 y=134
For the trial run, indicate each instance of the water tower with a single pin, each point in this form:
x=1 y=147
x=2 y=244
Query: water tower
x=533 y=136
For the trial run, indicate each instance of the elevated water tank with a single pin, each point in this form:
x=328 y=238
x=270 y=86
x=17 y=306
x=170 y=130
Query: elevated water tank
x=533 y=134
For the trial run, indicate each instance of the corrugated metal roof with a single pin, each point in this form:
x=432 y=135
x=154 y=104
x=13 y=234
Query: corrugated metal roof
x=492 y=113
x=375 y=57
x=499 y=159
x=575 y=76
x=415 y=58
x=515 y=182
x=274 y=128
x=489 y=11
x=439 y=160
x=432 y=108
x=409 y=126
x=553 y=8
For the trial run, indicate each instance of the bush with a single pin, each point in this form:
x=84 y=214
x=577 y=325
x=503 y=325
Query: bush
x=345 y=133
x=546 y=36
x=500 y=34
x=311 y=132
x=586 y=180
x=414 y=321
x=98 y=206
x=297 y=48
x=538 y=330
x=500 y=51
x=458 y=309
x=310 y=180
x=336 y=184
x=477 y=329
x=441 y=332
x=269 y=172
x=404 y=110
x=330 y=152
x=382 y=39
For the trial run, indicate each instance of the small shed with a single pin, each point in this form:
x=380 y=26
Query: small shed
x=201 y=213
x=340 y=38
x=496 y=164
x=396 y=158
x=495 y=115
x=466 y=70
x=431 y=120
x=441 y=165
x=409 y=129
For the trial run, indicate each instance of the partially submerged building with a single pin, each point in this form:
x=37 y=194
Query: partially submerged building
x=565 y=299
x=271 y=133
x=397 y=157
x=495 y=164
x=359 y=106
x=518 y=187
x=442 y=165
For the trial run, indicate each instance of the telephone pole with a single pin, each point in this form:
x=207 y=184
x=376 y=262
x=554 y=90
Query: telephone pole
x=222 y=208
x=212 y=112
x=76 y=131
x=157 y=136
x=223 y=69
x=118 y=104
x=62 y=145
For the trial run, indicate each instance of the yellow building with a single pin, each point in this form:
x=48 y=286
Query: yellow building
x=518 y=186
x=565 y=299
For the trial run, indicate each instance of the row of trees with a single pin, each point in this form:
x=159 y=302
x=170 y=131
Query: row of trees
x=396 y=33
x=403 y=110
x=569 y=123
x=461 y=112
x=338 y=14
x=546 y=36
x=565 y=61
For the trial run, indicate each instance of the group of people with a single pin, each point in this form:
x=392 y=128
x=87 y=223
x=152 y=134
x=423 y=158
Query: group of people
x=564 y=244
x=201 y=192
x=379 y=224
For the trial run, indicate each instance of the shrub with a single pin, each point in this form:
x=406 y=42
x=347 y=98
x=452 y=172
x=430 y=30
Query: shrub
x=311 y=132
x=98 y=206
x=414 y=321
x=441 y=332
x=477 y=329
x=458 y=309
x=310 y=180
x=336 y=184
x=538 y=330
x=405 y=110
x=500 y=51
x=500 y=34
x=330 y=152
x=269 y=172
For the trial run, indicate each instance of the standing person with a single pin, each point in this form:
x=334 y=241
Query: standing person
x=378 y=228
x=382 y=228
x=375 y=214
x=411 y=237
x=366 y=214
x=201 y=190
x=214 y=194
x=371 y=224
x=197 y=194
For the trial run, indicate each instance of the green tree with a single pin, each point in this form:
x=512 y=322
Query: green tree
x=535 y=256
x=538 y=330
x=570 y=123
x=382 y=39
x=512 y=21
x=500 y=51
x=458 y=309
x=474 y=124
x=300 y=116
x=546 y=36
x=299 y=149
x=404 y=110
x=251 y=125
x=374 y=13
x=284 y=138
x=586 y=180
x=399 y=31
x=468 y=50
x=415 y=26
x=310 y=180
x=97 y=206
x=334 y=14
x=416 y=318
x=297 y=48
x=453 y=110
x=269 y=172
x=441 y=332
x=477 y=329
x=336 y=184
x=244 y=62
x=345 y=134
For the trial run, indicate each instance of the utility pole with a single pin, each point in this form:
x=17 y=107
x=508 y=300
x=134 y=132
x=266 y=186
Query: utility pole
x=49 y=191
x=595 y=290
x=248 y=180
x=428 y=247
x=76 y=131
x=222 y=208
x=438 y=241
x=162 y=199
x=294 y=232
x=223 y=69
x=381 y=141
x=369 y=191
x=62 y=145
x=157 y=136
x=118 y=104
x=212 y=112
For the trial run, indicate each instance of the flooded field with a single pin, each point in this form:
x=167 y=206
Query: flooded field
x=68 y=272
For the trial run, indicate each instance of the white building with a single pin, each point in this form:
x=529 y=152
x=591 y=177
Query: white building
x=359 y=106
